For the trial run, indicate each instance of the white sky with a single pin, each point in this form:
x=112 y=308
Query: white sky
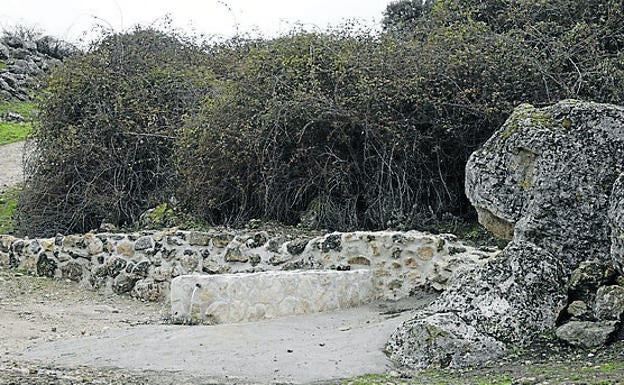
x=70 y=19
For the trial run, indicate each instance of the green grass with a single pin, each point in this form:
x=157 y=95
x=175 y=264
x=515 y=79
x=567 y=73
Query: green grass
x=27 y=109
x=8 y=208
x=11 y=132
x=432 y=377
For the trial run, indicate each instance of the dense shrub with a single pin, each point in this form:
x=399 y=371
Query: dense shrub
x=342 y=129
x=109 y=120
x=348 y=131
x=362 y=131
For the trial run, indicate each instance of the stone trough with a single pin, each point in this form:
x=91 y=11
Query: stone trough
x=230 y=298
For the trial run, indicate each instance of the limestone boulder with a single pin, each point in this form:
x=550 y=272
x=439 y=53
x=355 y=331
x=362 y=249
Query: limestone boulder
x=441 y=340
x=509 y=301
x=587 y=278
x=546 y=177
x=616 y=220
x=587 y=334
x=609 y=303
x=542 y=181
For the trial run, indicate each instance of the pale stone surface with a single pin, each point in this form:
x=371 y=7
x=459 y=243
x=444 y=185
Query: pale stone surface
x=447 y=341
x=230 y=298
x=609 y=303
x=616 y=220
x=578 y=309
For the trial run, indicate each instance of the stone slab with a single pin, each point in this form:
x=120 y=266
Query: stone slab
x=231 y=298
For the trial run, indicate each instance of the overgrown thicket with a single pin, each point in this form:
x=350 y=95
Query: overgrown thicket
x=360 y=131
x=109 y=122
x=342 y=129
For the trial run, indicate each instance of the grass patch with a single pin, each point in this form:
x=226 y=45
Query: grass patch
x=28 y=109
x=374 y=379
x=11 y=132
x=432 y=377
x=8 y=208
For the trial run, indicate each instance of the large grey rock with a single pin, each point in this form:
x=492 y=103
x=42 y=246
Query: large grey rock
x=445 y=340
x=586 y=334
x=543 y=181
x=547 y=174
x=616 y=220
x=609 y=303
x=4 y=52
x=511 y=300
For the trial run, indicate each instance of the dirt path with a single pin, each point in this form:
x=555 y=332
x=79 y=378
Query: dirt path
x=51 y=329
x=54 y=332
x=10 y=164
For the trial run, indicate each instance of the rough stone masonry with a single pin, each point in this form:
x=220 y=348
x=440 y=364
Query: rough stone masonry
x=144 y=263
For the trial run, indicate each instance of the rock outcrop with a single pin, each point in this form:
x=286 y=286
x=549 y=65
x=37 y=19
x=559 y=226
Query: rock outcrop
x=616 y=219
x=543 y=181
x=23 y=61
x=595 y=306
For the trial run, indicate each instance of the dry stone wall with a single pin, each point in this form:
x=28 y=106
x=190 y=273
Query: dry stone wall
x=143 y=263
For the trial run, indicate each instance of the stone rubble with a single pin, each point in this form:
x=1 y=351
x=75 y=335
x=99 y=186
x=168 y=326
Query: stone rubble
x=595 y=306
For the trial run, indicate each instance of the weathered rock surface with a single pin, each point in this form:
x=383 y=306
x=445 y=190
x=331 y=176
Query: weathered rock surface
x=609 y=303
x=548 y=173
x=441 y=339
x=511 y=300
x=23 y=61
x=544 y=180
x=587 y=334
x=596 y=304
x=616 y=220
x=587 y=278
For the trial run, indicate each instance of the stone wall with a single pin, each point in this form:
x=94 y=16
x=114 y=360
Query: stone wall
x=143 y=263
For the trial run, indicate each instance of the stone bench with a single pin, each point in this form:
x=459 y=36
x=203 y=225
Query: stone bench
x=230 y=298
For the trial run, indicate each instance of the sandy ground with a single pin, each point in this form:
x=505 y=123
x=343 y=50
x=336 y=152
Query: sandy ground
x=10 y=164
x=55 y=324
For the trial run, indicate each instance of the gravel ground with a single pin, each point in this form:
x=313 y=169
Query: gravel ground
x=10 y=164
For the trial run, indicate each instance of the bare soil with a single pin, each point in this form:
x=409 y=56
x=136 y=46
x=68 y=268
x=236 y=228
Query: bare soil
x=36 y=311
